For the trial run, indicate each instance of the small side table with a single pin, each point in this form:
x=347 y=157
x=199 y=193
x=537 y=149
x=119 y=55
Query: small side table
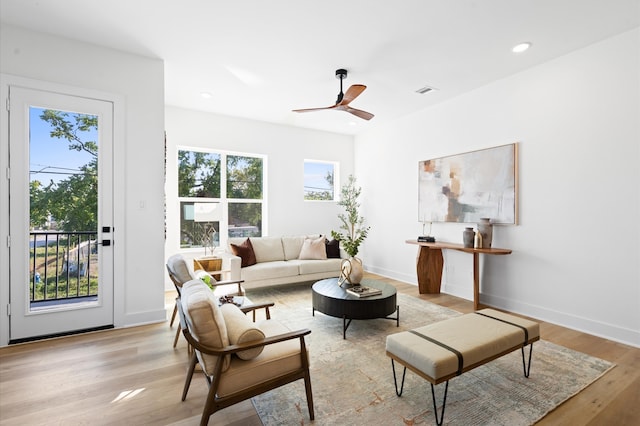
x=211 y=264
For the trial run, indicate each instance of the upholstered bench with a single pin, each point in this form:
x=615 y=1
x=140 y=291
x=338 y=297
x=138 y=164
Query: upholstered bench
x=443 y=350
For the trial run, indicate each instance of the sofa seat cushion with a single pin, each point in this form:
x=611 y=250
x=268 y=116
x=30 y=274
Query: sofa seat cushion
x=205 y=321
x=317 y=266
x=275 y=360
x=269 y=270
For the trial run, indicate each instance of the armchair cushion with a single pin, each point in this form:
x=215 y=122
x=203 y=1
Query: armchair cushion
x=241 y=329
x=313 y=249
x=205 y=320
x=178 y=265
x=276 y=360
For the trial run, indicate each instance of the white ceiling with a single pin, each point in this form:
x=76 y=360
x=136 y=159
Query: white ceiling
x=261 y=59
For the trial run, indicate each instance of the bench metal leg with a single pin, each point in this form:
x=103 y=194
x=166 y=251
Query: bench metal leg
x=395 y=382
x=527 y=366
x=444 y=402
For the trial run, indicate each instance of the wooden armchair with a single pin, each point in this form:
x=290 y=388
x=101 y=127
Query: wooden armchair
x=180 y=272
x=240 y=358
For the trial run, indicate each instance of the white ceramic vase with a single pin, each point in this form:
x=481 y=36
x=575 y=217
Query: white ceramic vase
x=351 y=271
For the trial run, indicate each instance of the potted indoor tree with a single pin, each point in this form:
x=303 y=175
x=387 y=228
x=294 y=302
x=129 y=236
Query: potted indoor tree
x=354 y=232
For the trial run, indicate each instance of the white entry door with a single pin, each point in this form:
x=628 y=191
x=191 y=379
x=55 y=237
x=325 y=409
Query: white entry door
x=60 y=213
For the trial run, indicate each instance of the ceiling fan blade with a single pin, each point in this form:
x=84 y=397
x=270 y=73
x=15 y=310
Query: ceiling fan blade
x=359 y=113
x=352 y=92
x=313 y=109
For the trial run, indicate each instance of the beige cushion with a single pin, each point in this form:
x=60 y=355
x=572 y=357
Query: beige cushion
x=268 y=249
x=276 y=360
x=241 y=330
x=292 y=247
x=313 y=249
x=477 y=337
x=178 y=265
x=268 y=270
x=314 y=267
x=205 y=321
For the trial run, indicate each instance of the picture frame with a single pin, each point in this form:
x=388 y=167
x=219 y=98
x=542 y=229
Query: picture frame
x=466 y=187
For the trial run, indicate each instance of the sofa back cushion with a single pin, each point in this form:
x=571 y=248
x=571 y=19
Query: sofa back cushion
x=205 y=321
x=292 y=246
x=268 y=249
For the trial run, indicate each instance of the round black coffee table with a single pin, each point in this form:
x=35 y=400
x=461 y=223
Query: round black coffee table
x=333 y=300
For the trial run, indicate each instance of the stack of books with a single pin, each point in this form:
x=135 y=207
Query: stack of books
x=362 y=291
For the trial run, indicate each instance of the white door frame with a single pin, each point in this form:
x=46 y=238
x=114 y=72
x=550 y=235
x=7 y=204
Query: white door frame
x=7 y=80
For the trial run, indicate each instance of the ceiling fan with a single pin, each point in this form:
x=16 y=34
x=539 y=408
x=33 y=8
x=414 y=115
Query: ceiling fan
x=344 y=99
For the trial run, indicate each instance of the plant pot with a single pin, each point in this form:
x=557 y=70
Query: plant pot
x=351 y=271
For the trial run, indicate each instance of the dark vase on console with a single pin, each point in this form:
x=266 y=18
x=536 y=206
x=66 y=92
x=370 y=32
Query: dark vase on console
x=467 y=237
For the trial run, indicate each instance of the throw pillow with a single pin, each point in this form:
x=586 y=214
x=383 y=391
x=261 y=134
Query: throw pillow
x=333 y=249
x=313 y=249
x=245 y=251
x=241 y=330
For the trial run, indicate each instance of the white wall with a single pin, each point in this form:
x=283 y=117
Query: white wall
x=138 y=156
x=576 y=251
x=285 y=147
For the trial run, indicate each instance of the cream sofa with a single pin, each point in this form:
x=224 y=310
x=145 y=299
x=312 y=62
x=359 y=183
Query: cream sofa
x=278 y=262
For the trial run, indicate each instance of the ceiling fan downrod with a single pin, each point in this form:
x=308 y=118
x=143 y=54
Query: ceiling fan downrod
x=340 y=74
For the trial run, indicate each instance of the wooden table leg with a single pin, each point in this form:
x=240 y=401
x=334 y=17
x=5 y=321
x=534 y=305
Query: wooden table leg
x=429 y=269
x=476 y=280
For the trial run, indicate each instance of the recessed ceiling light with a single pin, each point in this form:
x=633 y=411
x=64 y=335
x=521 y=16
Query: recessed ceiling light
x=519 y=48
x=425 y=89
x=206 y=95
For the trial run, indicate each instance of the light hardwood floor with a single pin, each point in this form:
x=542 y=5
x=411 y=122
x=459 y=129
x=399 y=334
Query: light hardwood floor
x=133 y=376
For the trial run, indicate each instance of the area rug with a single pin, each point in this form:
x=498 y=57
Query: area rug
x=353 y=384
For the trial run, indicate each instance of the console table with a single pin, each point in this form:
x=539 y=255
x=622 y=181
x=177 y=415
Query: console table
x=430 y=262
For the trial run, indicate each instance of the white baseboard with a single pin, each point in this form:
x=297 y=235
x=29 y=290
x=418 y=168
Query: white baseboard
x=585 y=325
x=142 y=318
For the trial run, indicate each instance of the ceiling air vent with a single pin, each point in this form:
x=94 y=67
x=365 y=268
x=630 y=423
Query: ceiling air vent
x=425 y=89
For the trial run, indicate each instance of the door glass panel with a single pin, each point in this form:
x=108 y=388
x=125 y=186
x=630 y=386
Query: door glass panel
x=63 y=194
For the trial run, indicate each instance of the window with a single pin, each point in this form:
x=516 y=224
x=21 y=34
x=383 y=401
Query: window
x=319 y=180
x=221 y=196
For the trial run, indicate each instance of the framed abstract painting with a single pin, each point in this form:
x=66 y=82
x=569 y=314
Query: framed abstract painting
x=469 y=186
